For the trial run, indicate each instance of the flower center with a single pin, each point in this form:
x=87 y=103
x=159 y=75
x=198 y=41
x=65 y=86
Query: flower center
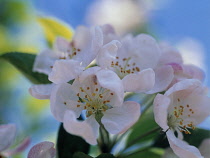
x=124 y=66
x=180 y=119
x=95 y=98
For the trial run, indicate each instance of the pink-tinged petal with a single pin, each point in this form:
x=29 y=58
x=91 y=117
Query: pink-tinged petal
x=108 y=53
x=63 y=98
x=200 y=107
x=161 y=104
x=89 y=41
x=107 y=29
x=42 y=91
x=88 y=72
x=21 y=147
x=109 y=79
x=169 y=55
x=42 y=150
x=139 y=82
x=44 y=62
x=194 y=72
x=148 y=51
x=181 y=148
x=204 y=148
x=61 y=44
x=187 y=84
x=163 y=77
x=65 y=70
x=7 y=136
x=87 y=129
x=176 y=67
x=120 y=119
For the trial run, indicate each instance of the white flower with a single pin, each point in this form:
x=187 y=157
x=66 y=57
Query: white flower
x=7 y=138
x=74 y=55
x=171 y=69
x=180 y=109
x=42 y=150
x=96 y=91
x=133 y=61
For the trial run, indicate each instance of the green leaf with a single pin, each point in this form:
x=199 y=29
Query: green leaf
x=81 y=155
x=24 y=63
x=105 y=155
x=197 y=136
x=68 y=144
x=152 y=153
x=145 y=124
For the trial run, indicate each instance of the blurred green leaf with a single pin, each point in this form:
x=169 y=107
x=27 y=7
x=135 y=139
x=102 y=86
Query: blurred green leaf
x=68 y=144
x=81 y=155
x=152 y=153
x=105 y=155
x=53 y=27
x=24 y=63
x=145 y=124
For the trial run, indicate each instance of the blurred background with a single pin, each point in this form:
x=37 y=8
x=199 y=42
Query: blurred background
x=184 y=24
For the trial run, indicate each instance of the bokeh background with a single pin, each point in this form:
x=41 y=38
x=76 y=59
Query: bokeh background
x=184 y=24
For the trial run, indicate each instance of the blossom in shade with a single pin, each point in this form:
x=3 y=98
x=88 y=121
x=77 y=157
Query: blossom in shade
x=180 y=109
x=42 y=150
x=97 y=92
x=133 y=61
x=7 y=138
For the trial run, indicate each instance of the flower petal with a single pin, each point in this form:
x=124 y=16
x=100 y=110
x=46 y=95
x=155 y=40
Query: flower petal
x=18 y=149
x=148 y=51
x=63 y=98
x=89 y=41
x=139 y=82
x=181 y=148
x=163 y=77
x=44 y=61
x=61 y=44
x=87 y=129
x=65 y=70
x=187 y=84
x=108 y=79
x=194 y=72
x=7 y=136
x=204 y=148
x=120 y=119
x=42 y=150
x=42 y=91
x=108 y=53
x=161 y=104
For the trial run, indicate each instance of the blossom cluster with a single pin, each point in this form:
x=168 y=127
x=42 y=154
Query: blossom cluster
x=92 y=72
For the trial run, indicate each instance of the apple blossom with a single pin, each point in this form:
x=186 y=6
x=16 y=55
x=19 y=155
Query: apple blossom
x=42 y=150
x=74 y=55
x=180 y=109
x=99 y=93
x=133 y=61
x=7 y=138
x=171 y=69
